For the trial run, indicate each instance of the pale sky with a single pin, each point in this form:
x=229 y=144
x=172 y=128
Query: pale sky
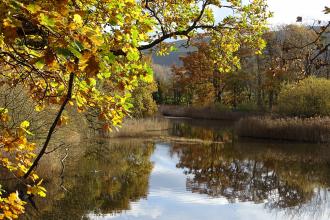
x=286 y=11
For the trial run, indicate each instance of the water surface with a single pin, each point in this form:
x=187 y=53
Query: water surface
x=240 y=179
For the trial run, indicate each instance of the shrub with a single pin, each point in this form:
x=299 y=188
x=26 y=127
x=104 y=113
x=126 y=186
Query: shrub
x=307 y=98
x=142 y=100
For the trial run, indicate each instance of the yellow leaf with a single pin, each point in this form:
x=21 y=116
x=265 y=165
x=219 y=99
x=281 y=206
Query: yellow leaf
x=1 y=41
x=39 y=107
x=77 y=19
x=25 y=124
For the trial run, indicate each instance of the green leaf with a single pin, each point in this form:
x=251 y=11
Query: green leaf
x=133 y=55
x=46 y=21
x=75 y=52
x=110 y=57
x=61 y=88
x=53 y=84
x=92 y=82
x=106 y=74
x=40 y=64
x=33 y=8
x=63 y=52
x=135 y=36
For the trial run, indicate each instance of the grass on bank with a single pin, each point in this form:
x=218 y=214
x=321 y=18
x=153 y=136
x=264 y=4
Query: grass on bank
x=143 y=127
x=316 y=129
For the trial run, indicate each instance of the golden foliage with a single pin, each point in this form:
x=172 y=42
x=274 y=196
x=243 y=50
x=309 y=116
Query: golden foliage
x=16 y=154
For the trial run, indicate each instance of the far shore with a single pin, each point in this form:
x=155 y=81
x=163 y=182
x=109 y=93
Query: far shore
x=209 y=113
x=246 y=124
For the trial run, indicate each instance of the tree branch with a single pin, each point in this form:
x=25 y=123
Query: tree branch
x=156 y=17
x=52 y=128
x=166 y=36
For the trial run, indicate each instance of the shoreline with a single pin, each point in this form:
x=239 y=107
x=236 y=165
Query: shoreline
x=205 y=113
x=267 y=128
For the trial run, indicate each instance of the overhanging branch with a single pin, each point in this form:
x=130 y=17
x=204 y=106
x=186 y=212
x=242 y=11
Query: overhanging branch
x=53 y=126
x=166 y=36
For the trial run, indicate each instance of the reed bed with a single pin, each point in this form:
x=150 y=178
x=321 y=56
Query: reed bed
x=202 y=112
x=144 y=127
x=316 y=129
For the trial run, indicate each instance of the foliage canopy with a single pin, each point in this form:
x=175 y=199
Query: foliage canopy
x=99 y=43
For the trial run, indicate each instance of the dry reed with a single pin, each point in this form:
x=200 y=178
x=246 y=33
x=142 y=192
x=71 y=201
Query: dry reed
x=315 y=129
x=144 y=127
x=202 y=112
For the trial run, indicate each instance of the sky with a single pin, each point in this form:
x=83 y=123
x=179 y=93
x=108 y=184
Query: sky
x=286 y=11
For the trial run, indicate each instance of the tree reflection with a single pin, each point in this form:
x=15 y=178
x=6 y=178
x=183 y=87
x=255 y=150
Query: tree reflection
x=105 y=180
x=275 y=176
x=203 y=130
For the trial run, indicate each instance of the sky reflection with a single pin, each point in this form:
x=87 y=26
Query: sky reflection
x=168 y=199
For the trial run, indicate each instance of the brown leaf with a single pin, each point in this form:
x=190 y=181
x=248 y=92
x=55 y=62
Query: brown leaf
x=92 y=67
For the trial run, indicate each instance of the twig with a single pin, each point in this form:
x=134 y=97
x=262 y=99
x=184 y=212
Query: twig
x=62 y=171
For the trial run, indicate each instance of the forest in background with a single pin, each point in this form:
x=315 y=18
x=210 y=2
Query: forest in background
x=291 y=66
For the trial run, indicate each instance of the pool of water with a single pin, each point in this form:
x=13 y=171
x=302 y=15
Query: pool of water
x=237 y=179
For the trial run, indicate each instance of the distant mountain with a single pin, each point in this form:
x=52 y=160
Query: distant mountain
x=174 y=57
x=169 y=60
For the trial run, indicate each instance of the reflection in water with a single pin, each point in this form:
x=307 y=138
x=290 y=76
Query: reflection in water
x=236 y=180
x=106 y=179
x=283 y=176
x=202 y=129
x=220 y=171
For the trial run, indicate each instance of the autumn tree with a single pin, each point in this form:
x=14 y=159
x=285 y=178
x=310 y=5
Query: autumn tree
x=200 y=81
x=195 y=77
x=320 y=60
x=287 y=58
x=87 y=53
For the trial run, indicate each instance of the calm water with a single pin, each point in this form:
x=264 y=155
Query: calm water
x=141 y=180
